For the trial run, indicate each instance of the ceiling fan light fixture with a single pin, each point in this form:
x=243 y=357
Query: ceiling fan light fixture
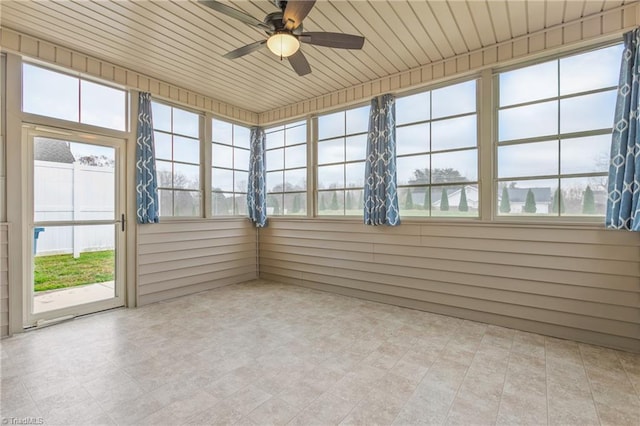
x=283 y=44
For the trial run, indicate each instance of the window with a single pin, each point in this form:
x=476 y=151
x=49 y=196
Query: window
x=177 y=147
x=437 y=152
x=53 y=94
x=286 y=164
x=554 y=135
x=230 y=172
x=342 y=149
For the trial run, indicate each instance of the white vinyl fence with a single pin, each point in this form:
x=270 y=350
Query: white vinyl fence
x=65 y=192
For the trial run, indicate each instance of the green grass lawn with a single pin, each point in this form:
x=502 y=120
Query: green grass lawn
x=62 y=270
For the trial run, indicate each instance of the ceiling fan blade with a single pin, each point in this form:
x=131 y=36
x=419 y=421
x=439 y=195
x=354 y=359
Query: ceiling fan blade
x=295 y=12
x=299 y=63
x=234 y=13
x=337 y=40
x=245 y=50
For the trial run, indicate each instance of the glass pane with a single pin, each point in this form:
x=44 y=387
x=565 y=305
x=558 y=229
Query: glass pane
x=414 y=201
x=295 y=180
x=358 y=120
x=356 y=147
x=585 y=155
x=274 y=140
x=161 y=115
x=331 y=177
x=413 y=108
x=526 y=197
x=457 y=166
x=221 y=131
x=296 y=156
x=49 y=93
x=583 y=197
x=454 y=100
x=412 y=139
x=221 y=156
x=241 y=136
x=529 y=159
x=331 y=151
x=78 y=262
x=331 y=203
x=186 y=149
x=164 y=170
x=354 y=202
x=185 y=123
x=331 y=125
x=591 y=70
x=274 y=204
x=528 y=121
x=275 y=159
x=165 y=200
x=454 y=133
x=296 y=134
x=186 y=176
x=241 y=158
x=241 y=180
x=222 y=180
x=162 y=145
x=588 y=112
x=412 y=170
x=354 y=175
x=275 y=181
x=529 y=84
x=295 y=204
x=186 y=203
x=456 y=201
x=240 y=204
x=221 y=204
x=64 y=190
x=103 y=106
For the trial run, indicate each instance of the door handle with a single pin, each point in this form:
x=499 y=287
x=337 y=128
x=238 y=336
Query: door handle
x=122 y=222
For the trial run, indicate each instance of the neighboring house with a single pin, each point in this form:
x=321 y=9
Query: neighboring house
x=454 y=198
x=52 y=150
x=518 y=196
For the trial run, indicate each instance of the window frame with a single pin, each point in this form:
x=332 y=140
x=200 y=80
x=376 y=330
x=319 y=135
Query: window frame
x=548 y=219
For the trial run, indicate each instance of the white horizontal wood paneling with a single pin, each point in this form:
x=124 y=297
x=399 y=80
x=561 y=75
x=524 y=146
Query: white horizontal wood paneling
x=179 y=258
x=4 y=280
x=579 y=283
x=561 y=36
x=183 y=42
x=75 y=61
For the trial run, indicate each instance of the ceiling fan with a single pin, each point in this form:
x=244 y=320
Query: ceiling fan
x=284 y=29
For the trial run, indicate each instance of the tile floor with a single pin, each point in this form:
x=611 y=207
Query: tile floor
x=263 y=353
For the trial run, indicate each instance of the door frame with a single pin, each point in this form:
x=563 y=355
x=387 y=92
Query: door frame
x=30 y=132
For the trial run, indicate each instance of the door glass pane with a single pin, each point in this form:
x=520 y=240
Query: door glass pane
x=73 y=181
x=73 y=265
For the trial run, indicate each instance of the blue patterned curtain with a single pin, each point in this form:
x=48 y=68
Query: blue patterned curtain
x=146 y=179
x=380 y=192
x=257 y=187
x=623 y=207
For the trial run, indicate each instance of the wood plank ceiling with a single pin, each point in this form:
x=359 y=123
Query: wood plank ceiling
x=182 y=42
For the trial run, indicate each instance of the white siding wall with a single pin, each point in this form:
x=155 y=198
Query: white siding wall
x=578 y=283
x=181 y=258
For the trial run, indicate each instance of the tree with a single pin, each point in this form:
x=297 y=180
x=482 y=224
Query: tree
x=97 y=160
x=361 y=199
x=323 y=205
x=463 y=206
x=220 y=206
x=273 y=202
x=426 y=201
x=505 y=203
x=557 y=204
x=408 y=202
x=348 y=201
x=444 y=201
x=296 y=204
x=530 y=203
x=334 y=202
x=588 y=202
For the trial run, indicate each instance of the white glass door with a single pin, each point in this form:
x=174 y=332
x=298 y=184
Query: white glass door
x=78 y=226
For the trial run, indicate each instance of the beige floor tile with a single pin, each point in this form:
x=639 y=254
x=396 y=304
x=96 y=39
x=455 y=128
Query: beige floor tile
x=273 y=412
